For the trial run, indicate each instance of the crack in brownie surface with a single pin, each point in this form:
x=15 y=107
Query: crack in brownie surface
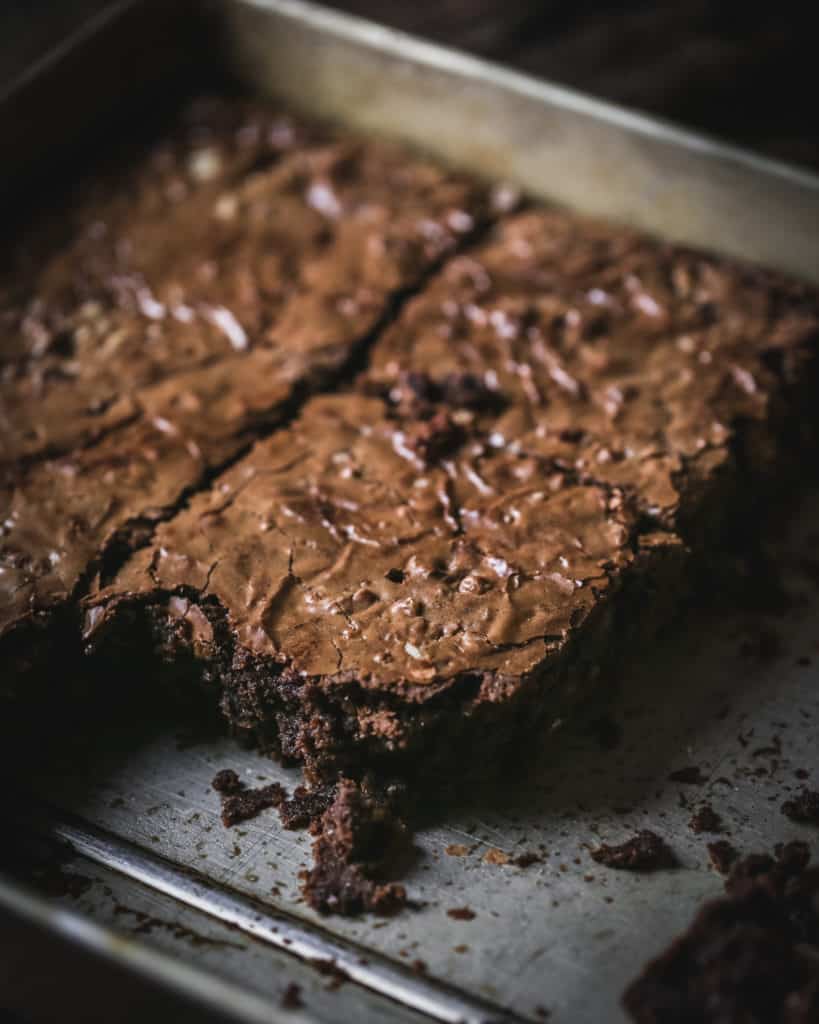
x=535 y=434
x=422 y=567
x=185 y=316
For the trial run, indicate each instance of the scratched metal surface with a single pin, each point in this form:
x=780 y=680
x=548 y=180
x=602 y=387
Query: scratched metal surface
x=564 y=934
x=559 y=144
x=231 y=972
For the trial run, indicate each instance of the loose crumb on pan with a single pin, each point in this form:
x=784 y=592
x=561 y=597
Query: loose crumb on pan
x=752 y=955
x=360 y=839
x=241 y=804
x=457 y=850
x=526 y=859
x=723 y=855
x=705 y=819
x=803 y=808
x=226 y=781
x=645 y=851
x=291 y=997
x=495 y=856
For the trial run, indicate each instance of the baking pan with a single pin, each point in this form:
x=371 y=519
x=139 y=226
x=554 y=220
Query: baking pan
x=562 y=935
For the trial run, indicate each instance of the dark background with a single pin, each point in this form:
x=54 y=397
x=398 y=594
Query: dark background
x=746 y=71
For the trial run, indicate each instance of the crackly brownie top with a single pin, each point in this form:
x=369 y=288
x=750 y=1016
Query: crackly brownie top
x=356 y=542
x=246 y=238
x=195 y=296
x=623 y=358
x=546 y=413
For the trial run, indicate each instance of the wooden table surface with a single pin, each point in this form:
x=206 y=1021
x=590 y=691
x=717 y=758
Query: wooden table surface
x=742 y=71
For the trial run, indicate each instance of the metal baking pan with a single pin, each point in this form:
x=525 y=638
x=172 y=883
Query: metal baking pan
x=221 y=915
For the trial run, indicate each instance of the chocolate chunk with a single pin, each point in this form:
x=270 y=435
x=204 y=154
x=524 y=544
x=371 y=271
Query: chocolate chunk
x=646 y=851
x=469 y=391
x=433 y=439
x=416 y=394
x=461 y=914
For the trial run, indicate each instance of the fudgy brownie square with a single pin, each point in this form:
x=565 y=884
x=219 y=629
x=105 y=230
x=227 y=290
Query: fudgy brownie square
x=506 y=503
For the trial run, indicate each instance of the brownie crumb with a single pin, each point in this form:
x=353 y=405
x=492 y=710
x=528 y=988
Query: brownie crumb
x=146 y=924
x=723 y=855
x=750 y=956
x=240 y=804
x=226 y=781
x=495 y=856
x=419 y=966
x=526 y=860
x=803 y=808
x=691 y=775
x=705 y=819
x=457 y=850
x=306 y=806
x=461 y=914
x=646 y=851
x=291 y=997
x=330 y=969
x=359 y=838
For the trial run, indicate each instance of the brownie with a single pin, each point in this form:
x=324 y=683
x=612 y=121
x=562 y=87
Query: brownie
x=751 y=956
x=347 y=605
x=358 y=838
x=192 y=305
x=422 y=567
x=633 y=363
x=105 y=298
x=258 y=238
